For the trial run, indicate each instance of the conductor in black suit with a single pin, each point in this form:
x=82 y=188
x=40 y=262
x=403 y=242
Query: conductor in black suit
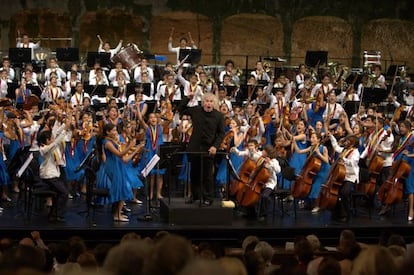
x=208 y=133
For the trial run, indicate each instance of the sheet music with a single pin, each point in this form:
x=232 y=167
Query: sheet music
x=151 y=164
x=25 y=165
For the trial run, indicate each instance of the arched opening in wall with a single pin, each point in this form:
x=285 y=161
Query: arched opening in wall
x=322 y=33
x=199 y=26
x=251 y=35
x=52 y=27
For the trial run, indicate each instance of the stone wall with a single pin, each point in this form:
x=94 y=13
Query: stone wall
x=270 y=30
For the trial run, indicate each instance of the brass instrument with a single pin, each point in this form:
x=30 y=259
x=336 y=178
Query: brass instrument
x=266 y=67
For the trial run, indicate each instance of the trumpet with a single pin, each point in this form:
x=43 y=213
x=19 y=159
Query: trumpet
x=266 y=67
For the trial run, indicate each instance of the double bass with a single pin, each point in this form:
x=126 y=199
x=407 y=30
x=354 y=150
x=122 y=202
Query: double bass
x=303 y=183
x=253 y=176
x=330 y=190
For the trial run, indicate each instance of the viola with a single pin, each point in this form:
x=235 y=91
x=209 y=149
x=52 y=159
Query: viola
x=330 y=190
x=303 y=183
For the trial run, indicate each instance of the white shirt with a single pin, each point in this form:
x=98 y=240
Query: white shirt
x=31 y=45
x=111 y=51
x=61 y=75
x=51 y=94
x=92 y=78
x=10 y=73
x=197 y=93
x=161 y=93
x=3 y=88
x=326 y=89
x=137 y=74
x=256 y=75
x=77 y=99
x=113 y=73
x=50 y=165
x=334 y=110
x=351 y=161
x=177 y=50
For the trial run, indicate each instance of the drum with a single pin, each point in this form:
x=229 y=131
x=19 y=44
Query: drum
x=130 y=57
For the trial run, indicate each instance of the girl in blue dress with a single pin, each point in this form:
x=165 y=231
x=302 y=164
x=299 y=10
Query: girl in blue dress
x=237 y=142
x=297 y=161
x=4 y=175
x=120 y=190
x=320 y=151
x=85 y=144
x=405 y=151
x=131 y=172
x=153 y=140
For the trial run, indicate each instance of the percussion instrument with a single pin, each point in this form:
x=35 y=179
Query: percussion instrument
x=130 y=57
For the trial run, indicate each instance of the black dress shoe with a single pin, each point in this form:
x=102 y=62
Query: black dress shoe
x=126 y=209
x=207 y=202
x=188 y=200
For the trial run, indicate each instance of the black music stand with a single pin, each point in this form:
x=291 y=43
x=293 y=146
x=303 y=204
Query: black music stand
x=230 y=90
x=168 y=156
x=104 y=59
x=20 y=56
x=11 y=89
x=35 y=90
x=374 y=95
x=244 y=92
x=194 y=56
x=351 y=107
x=98 y=90
x=146 y=89
x=67 y=54
x=314 y=58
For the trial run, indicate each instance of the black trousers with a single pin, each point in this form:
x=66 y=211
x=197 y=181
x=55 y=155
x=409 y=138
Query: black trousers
x=342 y=209
x=202 y=177
x=57 y=185
x=264 y=202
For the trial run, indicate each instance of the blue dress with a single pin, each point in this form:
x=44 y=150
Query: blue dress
x=102 y=182
x=297 y=161
x=151 y=148
x=13 y=148
x=131 y=171
x=4 y=175
x=320 y=178
x=409 y=181
x=72 y=162
x=313 y=116
x=221 y=176
x=120 y=189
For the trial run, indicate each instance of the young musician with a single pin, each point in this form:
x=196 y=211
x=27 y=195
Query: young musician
x=77 y=99
x=120 y=190
x=54 y=68
x=349 y=156
x=320 y=152
x=153 y=141
x=49 y=170
x=404 y=150
x=106 y=47
x=182 y=46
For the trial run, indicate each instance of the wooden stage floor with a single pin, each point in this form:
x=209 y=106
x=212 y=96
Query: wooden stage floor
x=276 y=229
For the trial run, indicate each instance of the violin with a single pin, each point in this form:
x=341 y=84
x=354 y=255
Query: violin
x=303 y=183
x=318 y=100
x=254 y=121
x=267 y=116
x=330 y=190
x=286 y=113
x=225 y=144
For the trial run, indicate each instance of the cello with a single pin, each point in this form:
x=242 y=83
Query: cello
x=248 y=193
x=303 y=183
x=391 y=192
x=375 y=165
x=330 y=190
